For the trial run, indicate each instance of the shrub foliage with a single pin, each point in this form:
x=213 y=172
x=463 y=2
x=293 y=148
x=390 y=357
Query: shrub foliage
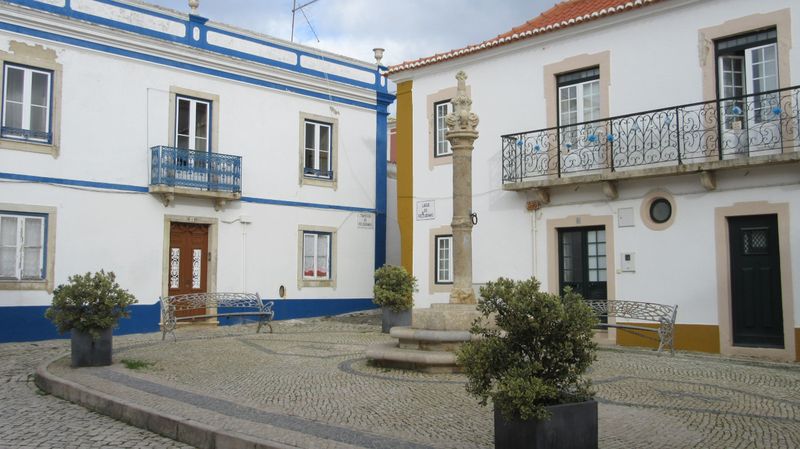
x=394 y=288
x=89 y=303
x=536 y=354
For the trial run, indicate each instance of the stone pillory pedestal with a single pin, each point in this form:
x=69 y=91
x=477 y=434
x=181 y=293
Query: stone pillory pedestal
x=435 y=333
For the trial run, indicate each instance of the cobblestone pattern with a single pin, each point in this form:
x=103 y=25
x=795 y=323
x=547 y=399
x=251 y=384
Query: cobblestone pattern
x=31 y=419
x=310 y=383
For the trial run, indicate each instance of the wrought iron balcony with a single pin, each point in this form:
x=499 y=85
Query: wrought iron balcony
x=749 y=126
x=195 y=173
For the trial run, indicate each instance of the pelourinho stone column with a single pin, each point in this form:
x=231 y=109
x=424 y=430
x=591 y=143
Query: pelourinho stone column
x=461 y=133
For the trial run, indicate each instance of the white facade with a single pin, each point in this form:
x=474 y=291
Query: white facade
x=651 y=57
x=117 y=80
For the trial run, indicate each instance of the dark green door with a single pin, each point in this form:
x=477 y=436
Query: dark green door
x=756 y=307
x=582 y=261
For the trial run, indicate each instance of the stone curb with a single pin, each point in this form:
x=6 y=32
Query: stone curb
x=185 y=430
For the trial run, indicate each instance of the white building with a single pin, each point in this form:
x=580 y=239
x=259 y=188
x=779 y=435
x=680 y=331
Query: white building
x=663 y=168
x=185 y=156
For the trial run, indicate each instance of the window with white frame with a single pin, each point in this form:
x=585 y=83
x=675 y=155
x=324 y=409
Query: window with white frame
x=444 y=259
x=22 y=246
x=316 y=255
x=442 y=145
x=578 y=101
x=748 y=64
x=317 y=149
x=27 y=103
x=192 y=124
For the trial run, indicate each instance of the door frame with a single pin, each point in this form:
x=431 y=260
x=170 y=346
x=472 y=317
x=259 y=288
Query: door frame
x=213 y=227
x=583 y=221
x=724 y=298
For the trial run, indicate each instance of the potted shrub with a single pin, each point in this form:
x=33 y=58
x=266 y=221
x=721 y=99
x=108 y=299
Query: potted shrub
x=394 y=292
x=89 y=306
x=530 y=365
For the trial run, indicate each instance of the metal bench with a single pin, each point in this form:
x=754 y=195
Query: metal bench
x=211 y=303
x=662 y=314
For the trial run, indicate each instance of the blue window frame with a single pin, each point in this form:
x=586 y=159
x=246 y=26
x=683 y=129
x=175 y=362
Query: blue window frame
x=23 y=246
x=27 y=103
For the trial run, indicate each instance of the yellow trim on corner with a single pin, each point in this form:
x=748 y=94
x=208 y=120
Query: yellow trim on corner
x=405 y=174
x=688 y=337
x=797 y=344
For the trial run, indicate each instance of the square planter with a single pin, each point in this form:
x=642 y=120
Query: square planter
x=571 y=426
x=87 y=351
x=390 y=319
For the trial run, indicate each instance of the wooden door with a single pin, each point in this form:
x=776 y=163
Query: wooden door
x=756 y=307
x=188 y=261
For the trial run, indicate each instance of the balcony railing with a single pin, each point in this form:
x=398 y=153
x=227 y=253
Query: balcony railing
x=767 y=123
x=203 y=170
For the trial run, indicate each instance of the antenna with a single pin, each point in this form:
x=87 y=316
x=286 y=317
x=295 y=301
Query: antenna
x=296 y=8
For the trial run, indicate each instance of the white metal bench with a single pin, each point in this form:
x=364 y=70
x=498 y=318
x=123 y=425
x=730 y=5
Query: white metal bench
x=211 y=303
x=662 y=314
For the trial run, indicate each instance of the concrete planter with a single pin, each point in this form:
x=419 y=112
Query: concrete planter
x=87 y=351
x=571 y=426
x=390 y=319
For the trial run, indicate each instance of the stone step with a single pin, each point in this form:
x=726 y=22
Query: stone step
x=389 y=355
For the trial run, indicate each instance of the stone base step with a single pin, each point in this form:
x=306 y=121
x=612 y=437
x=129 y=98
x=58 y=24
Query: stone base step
x=389 y=355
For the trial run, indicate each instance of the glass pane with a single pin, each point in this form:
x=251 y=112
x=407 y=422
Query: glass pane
x=592 y=248
x=322 y=245
x=601 y=262
x=38 y=119
x=601 y=237
x=40 y=89
x=183 y=141
x=32 y=263
x=591 y=236
x=324 y=138
x=592 y=263
x=601 y=249
x=593 y=276
x=183 y=118
x=15 y=79
x=8 y=231
x=602 y=276
x=324 y=165
x=309 y=158
x=33 y=232
x=308 y=244
x=310 y=141
x=201 y=121
x=13 y=115
x=8 y=262
x=200 y=144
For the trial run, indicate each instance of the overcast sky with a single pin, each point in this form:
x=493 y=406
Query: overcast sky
x=407 y=29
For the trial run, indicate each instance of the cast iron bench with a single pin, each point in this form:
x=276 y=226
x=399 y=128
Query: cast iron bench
x=662 y=314
x=212 y=303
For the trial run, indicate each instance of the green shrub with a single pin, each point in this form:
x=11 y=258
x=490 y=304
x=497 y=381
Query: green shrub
x=89 y=303
x=536 y=354
x=394 y=288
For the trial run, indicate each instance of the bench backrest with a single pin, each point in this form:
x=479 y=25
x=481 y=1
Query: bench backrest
x=635 y=310
x=194 y=301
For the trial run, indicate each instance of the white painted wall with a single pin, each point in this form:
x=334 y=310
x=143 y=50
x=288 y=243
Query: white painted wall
x=654 y=63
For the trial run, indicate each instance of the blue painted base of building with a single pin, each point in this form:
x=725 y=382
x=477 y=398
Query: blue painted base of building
x=27 y=323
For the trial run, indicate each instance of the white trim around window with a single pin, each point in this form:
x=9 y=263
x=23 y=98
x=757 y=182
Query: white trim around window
x=443 y=248
x=27 y=247
x=316 y=253
x=442 y=145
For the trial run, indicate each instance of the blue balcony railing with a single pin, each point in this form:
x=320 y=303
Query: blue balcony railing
x=176 y=167
x=762 y=124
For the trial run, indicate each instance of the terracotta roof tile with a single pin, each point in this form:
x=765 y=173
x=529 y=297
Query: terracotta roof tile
x=565 y=14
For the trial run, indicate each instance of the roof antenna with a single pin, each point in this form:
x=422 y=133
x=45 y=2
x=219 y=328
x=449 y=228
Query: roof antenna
x=194 y=4
x=296 y=8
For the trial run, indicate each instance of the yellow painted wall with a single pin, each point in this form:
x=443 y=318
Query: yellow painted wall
x=405 y=174
x=688 y=337
x=797 y=344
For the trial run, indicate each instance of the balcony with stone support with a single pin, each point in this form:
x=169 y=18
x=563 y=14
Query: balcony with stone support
x=198 y=174
x=700 y=138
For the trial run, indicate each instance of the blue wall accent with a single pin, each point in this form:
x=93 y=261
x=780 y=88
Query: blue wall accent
x=27 y=323
x=381 y=116
x=132 y=188
x=202 y=43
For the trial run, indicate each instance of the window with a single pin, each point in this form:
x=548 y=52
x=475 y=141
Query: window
x=578 y=101
x=27 y=103
x=444 y=257
x=442 y=145
x=192 y=124
x=747 y=64
x=316 y=255
x=22 y=246
x=660 y=210
x=317 y=149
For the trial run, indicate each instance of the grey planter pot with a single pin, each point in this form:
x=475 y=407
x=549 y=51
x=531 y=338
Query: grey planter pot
x=86 y=351
x=390 y=319
x=571 y=426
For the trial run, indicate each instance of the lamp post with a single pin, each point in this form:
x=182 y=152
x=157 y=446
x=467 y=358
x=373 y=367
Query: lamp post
x=461 y=133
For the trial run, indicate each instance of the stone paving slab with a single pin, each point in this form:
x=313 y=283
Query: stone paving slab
x=308 y=385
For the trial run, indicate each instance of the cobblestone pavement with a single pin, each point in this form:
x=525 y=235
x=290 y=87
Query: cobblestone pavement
x=309 y=385
x=32 y=419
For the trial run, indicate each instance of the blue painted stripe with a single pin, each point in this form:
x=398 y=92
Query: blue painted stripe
x=139 y=189
x=202 y=43
x=27 y=323
x=181 y=65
